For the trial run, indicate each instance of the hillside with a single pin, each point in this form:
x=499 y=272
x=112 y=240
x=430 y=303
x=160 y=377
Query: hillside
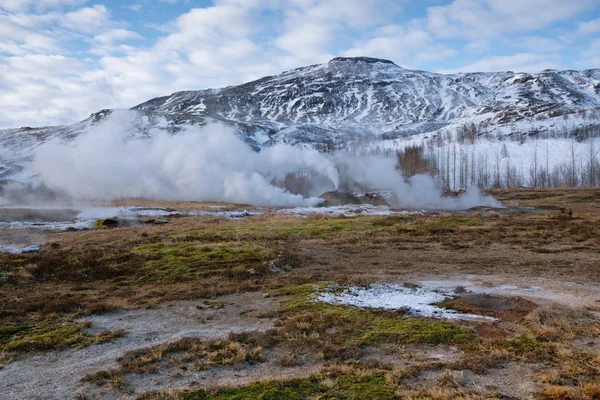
x=348 y=102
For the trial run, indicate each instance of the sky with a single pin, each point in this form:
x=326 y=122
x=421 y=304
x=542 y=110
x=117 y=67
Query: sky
x=61 y=60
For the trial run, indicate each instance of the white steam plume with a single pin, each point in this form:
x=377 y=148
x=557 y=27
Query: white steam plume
x=201 y=164
x=212 y=164
x=420 y=191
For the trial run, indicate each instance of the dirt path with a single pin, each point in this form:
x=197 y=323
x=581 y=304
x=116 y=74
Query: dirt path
x=58 y=375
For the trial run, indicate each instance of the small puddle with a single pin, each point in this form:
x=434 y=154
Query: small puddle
x=19 y=242
x=415 y=301
x=18 y=250
x=55 y=218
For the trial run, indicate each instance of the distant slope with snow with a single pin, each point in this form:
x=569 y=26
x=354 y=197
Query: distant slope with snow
x=353 y=103
x=358 y=98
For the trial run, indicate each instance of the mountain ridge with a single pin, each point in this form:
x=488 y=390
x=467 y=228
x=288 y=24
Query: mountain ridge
x=307 y=105
x=349 y=100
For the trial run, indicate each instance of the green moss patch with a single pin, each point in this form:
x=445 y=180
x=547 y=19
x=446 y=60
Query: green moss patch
x=355 y=326
x=372 y=386
x=309 y=228
x=51 y=337
x=184 y=261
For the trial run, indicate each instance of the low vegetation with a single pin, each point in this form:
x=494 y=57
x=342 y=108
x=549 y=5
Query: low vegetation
x=559 y=370
x=185 y=354
x=290 y=258
x=49 y=336
x=189 y=260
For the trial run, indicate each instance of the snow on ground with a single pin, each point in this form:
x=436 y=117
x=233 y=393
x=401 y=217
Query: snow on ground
x=555 y=151
x=419 y=302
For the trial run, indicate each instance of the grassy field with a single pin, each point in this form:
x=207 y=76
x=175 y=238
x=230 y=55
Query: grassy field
x=339 y=352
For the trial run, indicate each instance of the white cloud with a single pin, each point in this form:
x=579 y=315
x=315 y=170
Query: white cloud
x=406 y=46
x=111 y=42
x=63 y=59
x=522 y=62
x=88 y=19
x=537 y=44
x=18 y=35
x=38 y=5
x=41 y=84
x=311 y=26
x=44 y=89
x=477 y=46
x=30 y=33
x=477 y=19
x=116 y=35
x=590 y=57
x=135 y=7
x=589 y=27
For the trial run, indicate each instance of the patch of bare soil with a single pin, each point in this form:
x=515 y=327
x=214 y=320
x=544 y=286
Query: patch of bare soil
x=414 y=354
x=502 y=307
x=213 y=377
x=536 y=289
x=589 y=345
x=58 y=375
x=513 y=380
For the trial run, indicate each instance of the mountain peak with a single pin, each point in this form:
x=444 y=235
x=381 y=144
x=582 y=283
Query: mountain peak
x=368 y=60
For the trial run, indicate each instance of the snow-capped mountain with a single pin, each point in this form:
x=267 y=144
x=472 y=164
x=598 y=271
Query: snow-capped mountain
x=347 y=100
x=351 y=98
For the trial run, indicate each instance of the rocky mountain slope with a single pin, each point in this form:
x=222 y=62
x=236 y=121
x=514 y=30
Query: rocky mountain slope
x=344 y=101
x=352 y=98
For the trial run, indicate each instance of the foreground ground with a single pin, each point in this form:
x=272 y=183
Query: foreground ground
x=206 y=307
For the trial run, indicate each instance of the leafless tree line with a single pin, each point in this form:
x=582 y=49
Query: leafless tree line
x=458 y=167
x=456 y=164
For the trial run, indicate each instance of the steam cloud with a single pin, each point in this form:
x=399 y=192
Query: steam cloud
x=202 y=164
x=419 y=191
x=212 y=164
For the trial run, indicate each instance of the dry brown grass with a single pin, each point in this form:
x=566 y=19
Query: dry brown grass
x=321 y=248
x=184 y=354
x=95 y=271
x=99 y=270
x=587 y=392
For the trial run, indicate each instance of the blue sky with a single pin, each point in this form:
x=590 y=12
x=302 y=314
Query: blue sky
x=60 y=60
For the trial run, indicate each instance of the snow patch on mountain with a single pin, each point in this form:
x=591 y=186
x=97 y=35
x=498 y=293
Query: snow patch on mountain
x=347 y=103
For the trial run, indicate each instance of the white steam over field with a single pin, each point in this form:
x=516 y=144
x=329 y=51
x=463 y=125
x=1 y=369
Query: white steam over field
x=203 y=164
x=211 y=163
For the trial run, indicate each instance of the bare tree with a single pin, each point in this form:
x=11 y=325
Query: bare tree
x=508 y=173
x=412 y=161
x=448 y=167
x=467 y=132
x=547 y=174
x=454 y=166
x=473 y=171
x=497 y=181
x=533 y=170
x=592 y=163
x=573 y=167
